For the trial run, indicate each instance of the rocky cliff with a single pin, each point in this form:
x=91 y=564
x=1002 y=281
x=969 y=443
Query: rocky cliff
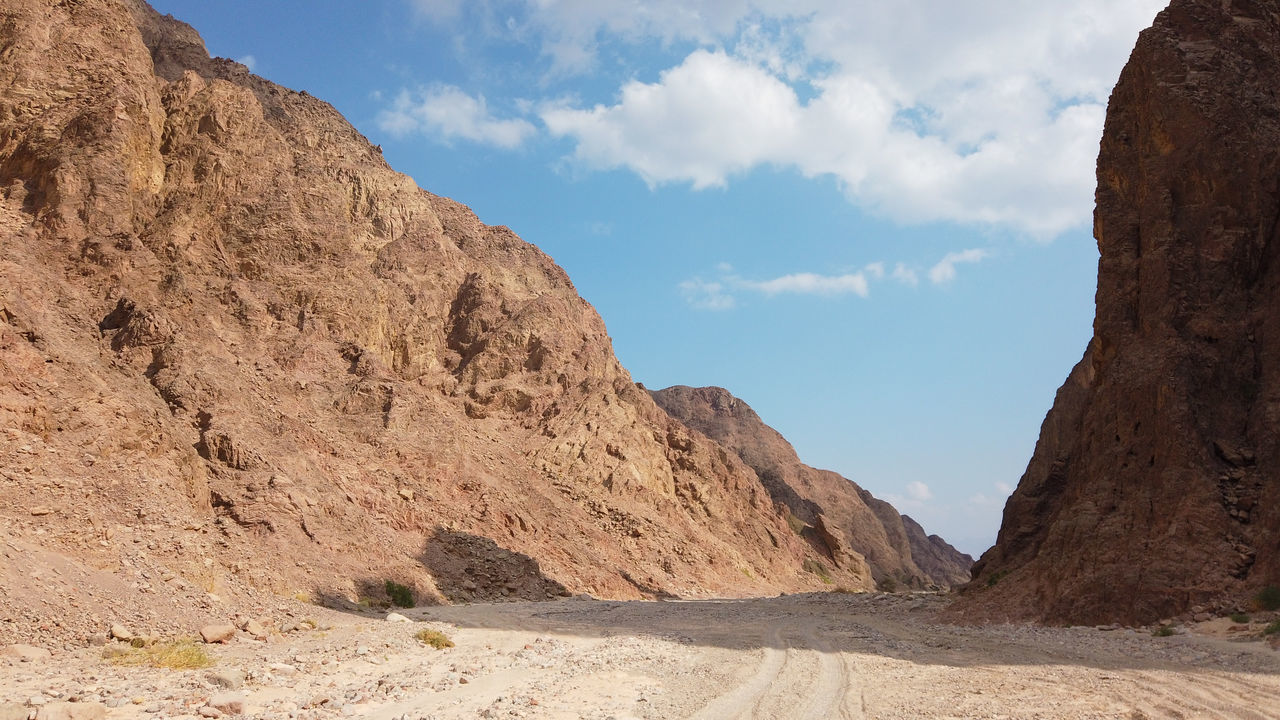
x=1153 y=487
x=838 y=518
x=239 y=353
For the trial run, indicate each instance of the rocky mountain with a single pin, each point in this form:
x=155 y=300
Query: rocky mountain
x=838 y=518
x=1153 y=487
x=240 y=354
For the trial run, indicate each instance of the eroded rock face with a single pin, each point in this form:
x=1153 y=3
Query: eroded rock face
x=839 y=519
x=230 y=332
x=1153 y=485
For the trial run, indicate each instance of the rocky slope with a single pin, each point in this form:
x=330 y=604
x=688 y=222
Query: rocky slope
x=1153 y=486
x=839 y=519
x=239 y=353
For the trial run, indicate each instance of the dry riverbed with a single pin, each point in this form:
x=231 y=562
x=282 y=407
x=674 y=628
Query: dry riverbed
x=803 y=656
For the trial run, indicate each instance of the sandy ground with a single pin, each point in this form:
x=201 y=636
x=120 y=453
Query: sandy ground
x=804 y=656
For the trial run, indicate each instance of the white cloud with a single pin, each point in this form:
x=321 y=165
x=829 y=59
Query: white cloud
x=706 y=295
x=917 y=490
x=811 y=284
x=984 y=113
x=720 y=294
x=448 y=113
x=1004 y=488
x=248 y=61
x=438 y=10
x=905 y=275
x=945 y=271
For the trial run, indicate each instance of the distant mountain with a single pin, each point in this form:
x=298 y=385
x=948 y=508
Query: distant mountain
x=1153 y=488
x=839 y=518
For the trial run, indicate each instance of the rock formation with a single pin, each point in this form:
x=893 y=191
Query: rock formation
x=840 y=519
x=238 y=351
x=1153 y=487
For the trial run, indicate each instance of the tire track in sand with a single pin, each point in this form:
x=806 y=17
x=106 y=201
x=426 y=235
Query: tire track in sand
x=743 y=700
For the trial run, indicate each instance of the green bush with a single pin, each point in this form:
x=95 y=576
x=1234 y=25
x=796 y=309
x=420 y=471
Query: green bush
x=1272 y=629
x=434 y=638
x=401 y=595
x=1239 y=617
x=1269 y=598
x=1163 y=631
x=888 y=585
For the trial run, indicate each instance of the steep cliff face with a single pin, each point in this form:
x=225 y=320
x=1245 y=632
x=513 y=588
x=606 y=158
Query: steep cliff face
x=838 y=518
x=1154 y=483
x=236 y=348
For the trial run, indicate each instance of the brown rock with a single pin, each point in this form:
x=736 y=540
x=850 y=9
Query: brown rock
x=1151 y=488
x=9 y=711
x=230 y=703
x=217 y=633
x=25 y=653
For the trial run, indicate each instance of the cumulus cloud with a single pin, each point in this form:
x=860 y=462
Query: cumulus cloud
x=985 y=113
x=917 y=490
x=945 y=271
x=447 y=113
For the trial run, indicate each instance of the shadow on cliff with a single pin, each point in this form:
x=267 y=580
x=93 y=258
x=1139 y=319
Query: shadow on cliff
x=466 y=568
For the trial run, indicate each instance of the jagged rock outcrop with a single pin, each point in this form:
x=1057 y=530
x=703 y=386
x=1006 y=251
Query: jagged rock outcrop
x=1153 y=487
x=238 y=351
x=837 y=517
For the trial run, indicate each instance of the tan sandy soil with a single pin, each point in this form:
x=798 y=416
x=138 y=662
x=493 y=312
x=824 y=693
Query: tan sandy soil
x=803 y=656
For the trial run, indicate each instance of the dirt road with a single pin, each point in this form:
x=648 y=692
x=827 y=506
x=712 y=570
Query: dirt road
x=809 y=656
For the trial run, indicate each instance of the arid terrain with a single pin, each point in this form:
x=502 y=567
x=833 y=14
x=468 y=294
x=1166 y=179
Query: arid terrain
x=796 y=657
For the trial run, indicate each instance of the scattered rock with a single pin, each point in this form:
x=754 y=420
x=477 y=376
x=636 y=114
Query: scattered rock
x=210 y=712
x=217 y=633
x=121 y=633
x=397 y=618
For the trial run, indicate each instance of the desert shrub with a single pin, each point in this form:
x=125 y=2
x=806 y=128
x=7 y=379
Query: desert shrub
x=996 y=578
x=817 y=568
x=1239 y=617
x=182 y=654
x=1163 y=631
x=401 y=595
x=845 y=590
x=434 y=638
x=1268 y=598
x=796 y=524
x=888 y=585
x=1272 y=629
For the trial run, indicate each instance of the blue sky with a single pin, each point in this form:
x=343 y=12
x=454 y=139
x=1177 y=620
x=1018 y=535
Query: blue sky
x=871 y=221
